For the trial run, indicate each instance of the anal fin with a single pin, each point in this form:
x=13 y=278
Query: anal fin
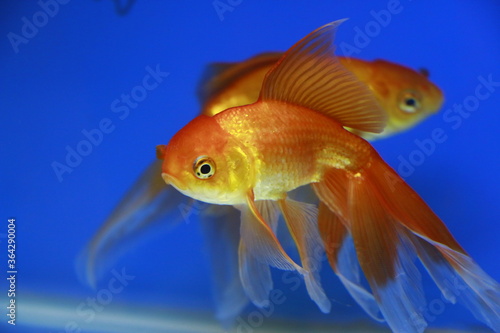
x=301 y=219
x=259 y=248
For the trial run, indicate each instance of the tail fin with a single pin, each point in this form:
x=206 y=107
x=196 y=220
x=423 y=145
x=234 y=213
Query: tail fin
x=339 y=248
x=147 y=203
x=390 y=226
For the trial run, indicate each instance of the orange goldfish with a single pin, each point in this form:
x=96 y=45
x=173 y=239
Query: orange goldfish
x=233 y=84
x=407 y=96
x=251 y=156
x=150 y=201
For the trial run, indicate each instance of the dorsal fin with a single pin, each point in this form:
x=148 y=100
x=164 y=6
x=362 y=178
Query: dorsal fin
x=219 y=75
x=311 y=76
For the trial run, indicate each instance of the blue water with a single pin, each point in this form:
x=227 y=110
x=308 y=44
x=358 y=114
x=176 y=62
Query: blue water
x=66 y=75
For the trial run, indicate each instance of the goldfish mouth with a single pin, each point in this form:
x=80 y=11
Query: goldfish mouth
x=171 y=180
x=201 y=195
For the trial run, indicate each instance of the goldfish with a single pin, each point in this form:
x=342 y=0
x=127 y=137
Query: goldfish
x=294 y=135
x=149 y=202
x=406 y=95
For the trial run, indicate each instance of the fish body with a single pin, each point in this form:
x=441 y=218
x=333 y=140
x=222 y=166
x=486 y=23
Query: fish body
x=269 y=148
x=251 y=156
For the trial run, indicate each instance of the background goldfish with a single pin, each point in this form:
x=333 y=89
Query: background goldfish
x=406 y=95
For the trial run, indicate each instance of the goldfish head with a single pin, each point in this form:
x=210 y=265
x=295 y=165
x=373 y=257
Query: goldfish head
x=407 y=95
x=206 y=163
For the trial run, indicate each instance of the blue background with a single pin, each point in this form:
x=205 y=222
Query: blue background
x=64 y=79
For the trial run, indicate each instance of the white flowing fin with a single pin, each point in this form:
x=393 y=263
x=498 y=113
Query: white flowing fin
x=342 y=257
x=301 y=219
x=348 y=271
x=409 y=210
x=383 y=250
x=255 y=277
x=401 y=299
x=221 y=231
x=255 y=274
x=460 y=279
x=149 y=205
x=387 y=258
x=341 y=252
x=385 y=217
x=260 y=239
x=269 y=210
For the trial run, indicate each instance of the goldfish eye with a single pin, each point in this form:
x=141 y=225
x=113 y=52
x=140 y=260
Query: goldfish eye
x=204 y=167
x=409 y=102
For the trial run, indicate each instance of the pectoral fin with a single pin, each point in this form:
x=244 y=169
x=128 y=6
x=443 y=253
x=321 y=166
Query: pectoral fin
x=260 y=239
x=259 y=249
